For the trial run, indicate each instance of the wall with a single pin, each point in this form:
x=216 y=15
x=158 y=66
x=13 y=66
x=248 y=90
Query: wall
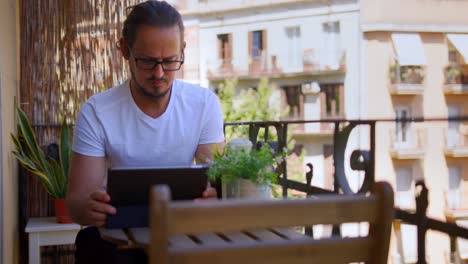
x=414 y=12
x=431 y=104
x=9 y=69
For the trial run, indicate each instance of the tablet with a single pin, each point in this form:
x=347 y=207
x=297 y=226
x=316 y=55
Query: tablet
x=129 y=189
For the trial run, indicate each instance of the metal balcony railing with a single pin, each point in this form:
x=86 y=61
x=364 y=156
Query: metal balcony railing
x=360 y=160
x=456 y=79
x=406 y=80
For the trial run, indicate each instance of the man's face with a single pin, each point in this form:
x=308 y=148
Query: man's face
x=153 y=44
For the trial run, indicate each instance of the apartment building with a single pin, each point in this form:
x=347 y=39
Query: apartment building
x=415 y=65
x=369 y=59
x=308 y=50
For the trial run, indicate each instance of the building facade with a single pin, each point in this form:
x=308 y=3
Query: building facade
x=369 y=59
x=415 y=65
x=308 y=50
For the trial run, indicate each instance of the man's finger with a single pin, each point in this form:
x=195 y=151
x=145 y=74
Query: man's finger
x=100 y=196
x=100 y=207
x=210 y=193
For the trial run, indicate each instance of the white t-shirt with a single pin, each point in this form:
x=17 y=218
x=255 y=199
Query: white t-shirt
x=111 y=125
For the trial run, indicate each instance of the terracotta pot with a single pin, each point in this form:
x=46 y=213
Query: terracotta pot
x=61 y=212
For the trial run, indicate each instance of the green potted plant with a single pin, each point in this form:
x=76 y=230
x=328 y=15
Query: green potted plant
x=52 y=173
x=246 y=172
x=453 y=74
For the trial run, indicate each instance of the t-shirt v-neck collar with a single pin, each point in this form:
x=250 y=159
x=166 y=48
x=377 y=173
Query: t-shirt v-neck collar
x=148 y=119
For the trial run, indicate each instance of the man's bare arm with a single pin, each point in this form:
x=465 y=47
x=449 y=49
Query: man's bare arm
x=205 y=152
x=86 y=200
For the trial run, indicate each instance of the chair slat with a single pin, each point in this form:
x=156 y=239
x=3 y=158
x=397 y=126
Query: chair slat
x=265 y=235
x=181 y=241
x=238 y=237
x=210 y=239
x=334 y=250
x=234 y=215
x=290 y=233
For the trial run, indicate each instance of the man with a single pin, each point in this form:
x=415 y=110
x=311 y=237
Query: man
x=150 y=120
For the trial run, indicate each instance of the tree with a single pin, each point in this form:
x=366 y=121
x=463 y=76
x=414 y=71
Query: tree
x=246 y=105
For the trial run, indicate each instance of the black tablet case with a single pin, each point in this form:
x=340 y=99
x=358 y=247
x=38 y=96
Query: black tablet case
x=129 y=189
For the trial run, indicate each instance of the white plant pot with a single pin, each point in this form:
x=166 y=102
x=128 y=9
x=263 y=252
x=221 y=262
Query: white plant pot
x=241 y=188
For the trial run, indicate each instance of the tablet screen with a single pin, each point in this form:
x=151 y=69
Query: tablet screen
x=129 y=190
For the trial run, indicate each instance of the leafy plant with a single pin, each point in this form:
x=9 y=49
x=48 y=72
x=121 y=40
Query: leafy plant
x=453 y=74
x=254 y=165
x=406 y=74
x=52 y=173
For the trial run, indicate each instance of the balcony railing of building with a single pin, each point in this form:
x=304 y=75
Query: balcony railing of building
x=265 y=64
x=406 y=80
x=456 y=79
x=360 y=160
x=407 y=142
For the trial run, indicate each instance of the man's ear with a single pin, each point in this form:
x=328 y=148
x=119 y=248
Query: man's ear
x=183 y=45
x=124 y=49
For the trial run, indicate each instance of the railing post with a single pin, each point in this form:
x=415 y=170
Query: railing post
x=421 y=207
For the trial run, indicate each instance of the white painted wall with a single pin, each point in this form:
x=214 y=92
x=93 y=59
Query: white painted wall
x=9 y=72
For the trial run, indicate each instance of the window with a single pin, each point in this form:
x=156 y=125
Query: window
x=404 y=187
x=257 y=51
x=453 y=131
x=293 y=59
x=455 y=190
x=225 y=48
x=293 y=99
x=257 y=43
x=403 y=135
x=332 y=50
x=332 y=100
x=405 y=199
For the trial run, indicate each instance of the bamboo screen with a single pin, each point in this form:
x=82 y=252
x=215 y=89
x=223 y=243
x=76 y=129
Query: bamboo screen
x=68 y=53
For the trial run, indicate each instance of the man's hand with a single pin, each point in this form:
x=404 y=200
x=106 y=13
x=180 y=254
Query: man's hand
x=209 y=193
x=97 y=208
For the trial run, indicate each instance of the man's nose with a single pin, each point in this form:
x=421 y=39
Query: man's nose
x=158 y=70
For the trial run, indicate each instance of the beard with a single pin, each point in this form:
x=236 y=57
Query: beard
x=152 y=96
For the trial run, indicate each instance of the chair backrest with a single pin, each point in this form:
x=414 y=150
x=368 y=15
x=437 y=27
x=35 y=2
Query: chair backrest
x=223 y=220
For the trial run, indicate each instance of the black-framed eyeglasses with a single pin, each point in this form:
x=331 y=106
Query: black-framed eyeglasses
x=151 y=63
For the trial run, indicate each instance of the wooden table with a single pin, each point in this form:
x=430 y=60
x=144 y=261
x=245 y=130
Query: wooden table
x=139 y=237
x=45 y=231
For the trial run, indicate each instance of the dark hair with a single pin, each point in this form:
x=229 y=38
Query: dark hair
x=151 y=13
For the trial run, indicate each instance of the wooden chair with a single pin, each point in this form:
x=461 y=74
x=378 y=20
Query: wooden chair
x=226 y=231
